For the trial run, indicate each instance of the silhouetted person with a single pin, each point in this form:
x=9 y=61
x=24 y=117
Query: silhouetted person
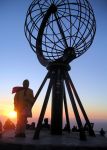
x=86 y=127
x=32 y=126
x=8 y=125
x=23 y=102
x=74 y=129
x=27 y=126
x=66 y=128
x=46 y=125
x=102 y=132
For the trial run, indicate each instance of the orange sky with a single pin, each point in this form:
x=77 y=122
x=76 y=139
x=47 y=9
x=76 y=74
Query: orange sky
x=7 y=108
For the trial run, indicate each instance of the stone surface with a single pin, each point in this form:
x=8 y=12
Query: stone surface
x=48 y=142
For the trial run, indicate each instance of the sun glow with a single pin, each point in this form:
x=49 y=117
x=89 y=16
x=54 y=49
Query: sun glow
x=12 y=114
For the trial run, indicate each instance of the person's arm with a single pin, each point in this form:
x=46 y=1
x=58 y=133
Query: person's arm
x=32 y=98
x=29 y=98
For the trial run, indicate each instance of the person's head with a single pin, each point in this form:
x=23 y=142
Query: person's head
x=46 y=120
x=26 y=83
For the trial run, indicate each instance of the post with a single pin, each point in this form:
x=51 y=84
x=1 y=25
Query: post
x=57 y=103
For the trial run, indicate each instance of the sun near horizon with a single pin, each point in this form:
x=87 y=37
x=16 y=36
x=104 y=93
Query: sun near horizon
x=12 y=114
x=8 y=112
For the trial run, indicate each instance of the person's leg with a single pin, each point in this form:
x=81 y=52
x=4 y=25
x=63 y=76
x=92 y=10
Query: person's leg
x=18 y=123
x=21 y=125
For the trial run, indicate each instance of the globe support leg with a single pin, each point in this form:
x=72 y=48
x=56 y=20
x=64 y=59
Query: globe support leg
x=57 y=103
x=91 y=132
x=57 y=77
x=39 y=124
x=41 y=86
x=66 y=112
x=78 y=119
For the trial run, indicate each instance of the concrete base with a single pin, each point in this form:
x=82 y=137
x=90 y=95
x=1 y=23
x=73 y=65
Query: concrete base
x=51 y=142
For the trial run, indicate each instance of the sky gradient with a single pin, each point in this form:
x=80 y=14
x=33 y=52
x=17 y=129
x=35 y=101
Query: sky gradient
x=19 y=62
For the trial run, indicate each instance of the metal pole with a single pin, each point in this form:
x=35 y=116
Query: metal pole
x=91 y=132
x=66 y=112
x=40 y=88
x=57 y=103
x=39 y=124
x=78 y=119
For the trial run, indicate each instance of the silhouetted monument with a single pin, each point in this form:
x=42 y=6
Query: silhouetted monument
x=59 y=32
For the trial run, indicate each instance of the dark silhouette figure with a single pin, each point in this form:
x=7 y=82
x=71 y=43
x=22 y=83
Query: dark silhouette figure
x=8 y=125
x=23 y=102
x=102 y=132
x=30 y=126
x=46 y=125
x=86 y=127
x=66 y=128
x=74 y=129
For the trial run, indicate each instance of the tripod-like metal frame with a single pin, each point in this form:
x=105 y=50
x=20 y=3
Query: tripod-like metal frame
x=59 y=32
x=59 y=78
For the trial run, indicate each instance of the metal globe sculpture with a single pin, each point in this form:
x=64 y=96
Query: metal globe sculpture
x=60 y=30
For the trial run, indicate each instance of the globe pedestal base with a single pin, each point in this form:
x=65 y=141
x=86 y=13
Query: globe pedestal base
x=60 y=83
